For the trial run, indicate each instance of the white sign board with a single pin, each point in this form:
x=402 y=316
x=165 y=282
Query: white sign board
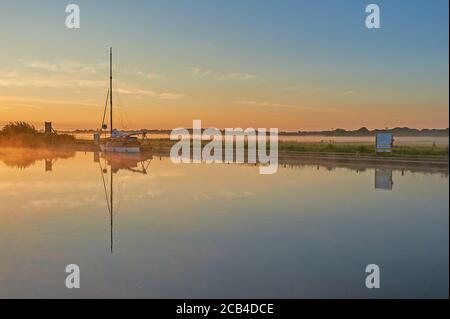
x=384 y=142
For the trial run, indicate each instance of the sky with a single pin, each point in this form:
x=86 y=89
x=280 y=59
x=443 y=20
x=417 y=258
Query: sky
x=292 y=65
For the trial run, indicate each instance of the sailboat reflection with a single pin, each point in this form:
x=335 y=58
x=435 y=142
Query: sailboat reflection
x=136 y=163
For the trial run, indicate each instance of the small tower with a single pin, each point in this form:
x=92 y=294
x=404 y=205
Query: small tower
x=48 y=128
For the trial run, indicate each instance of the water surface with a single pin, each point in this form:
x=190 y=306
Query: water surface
x=218 y=231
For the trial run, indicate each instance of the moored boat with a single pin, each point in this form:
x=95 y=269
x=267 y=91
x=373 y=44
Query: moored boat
x=121 y=145
x=117 y=142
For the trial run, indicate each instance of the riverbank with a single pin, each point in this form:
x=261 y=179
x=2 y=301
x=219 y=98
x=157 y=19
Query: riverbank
x=25 y=157
x=426 y=157
x=289 y=147
x=334 y=148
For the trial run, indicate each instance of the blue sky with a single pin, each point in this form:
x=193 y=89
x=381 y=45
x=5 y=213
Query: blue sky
x=228 y=57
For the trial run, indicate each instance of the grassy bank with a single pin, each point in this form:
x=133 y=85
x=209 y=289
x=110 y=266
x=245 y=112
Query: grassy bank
x=362 y=149
x=345 y=148
x=37 y=140
x=21 y=134
x=66 y=141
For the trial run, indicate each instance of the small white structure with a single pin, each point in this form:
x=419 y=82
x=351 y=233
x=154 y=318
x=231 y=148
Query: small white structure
x=384 y=142
x=97 y=138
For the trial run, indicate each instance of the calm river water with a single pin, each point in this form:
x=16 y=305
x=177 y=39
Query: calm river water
x=218 y=231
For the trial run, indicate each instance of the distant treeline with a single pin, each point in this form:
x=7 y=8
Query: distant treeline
x=363 y=131
x=398 y=131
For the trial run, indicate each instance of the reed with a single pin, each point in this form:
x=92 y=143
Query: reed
x=22 y=134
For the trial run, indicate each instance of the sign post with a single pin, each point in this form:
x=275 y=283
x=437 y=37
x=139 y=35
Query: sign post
x=384 y=142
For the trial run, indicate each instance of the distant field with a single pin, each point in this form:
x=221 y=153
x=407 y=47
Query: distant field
x=89 y=136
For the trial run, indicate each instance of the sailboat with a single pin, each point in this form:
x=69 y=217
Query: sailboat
x=118 y=142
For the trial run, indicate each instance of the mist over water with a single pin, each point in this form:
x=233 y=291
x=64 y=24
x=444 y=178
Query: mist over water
x=399 y=140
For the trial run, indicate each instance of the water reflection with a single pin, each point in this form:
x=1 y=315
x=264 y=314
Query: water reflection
x=383 y=179
x=139 y=163
x=25 y=158
x=111 y=165
x=136 y=163
x=144 y=227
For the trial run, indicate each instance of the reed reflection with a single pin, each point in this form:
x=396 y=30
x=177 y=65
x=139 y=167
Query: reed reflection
x=22 y=158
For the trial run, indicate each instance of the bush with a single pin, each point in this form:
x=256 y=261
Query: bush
x=16 y=128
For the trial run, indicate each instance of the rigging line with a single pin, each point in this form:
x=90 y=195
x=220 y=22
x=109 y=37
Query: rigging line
x=120 y=111
x=104 y=111
x=123 y=115
x=106 y=170
x=122 y=194
x=145 y=165
x=148 y=164
x=104 y=186
x=117 y=105
x=121 y=197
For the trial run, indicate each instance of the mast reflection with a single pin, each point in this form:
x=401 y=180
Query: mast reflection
x=136 y=163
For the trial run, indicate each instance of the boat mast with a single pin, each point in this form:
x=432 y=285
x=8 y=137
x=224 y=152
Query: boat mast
x=110 y=92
